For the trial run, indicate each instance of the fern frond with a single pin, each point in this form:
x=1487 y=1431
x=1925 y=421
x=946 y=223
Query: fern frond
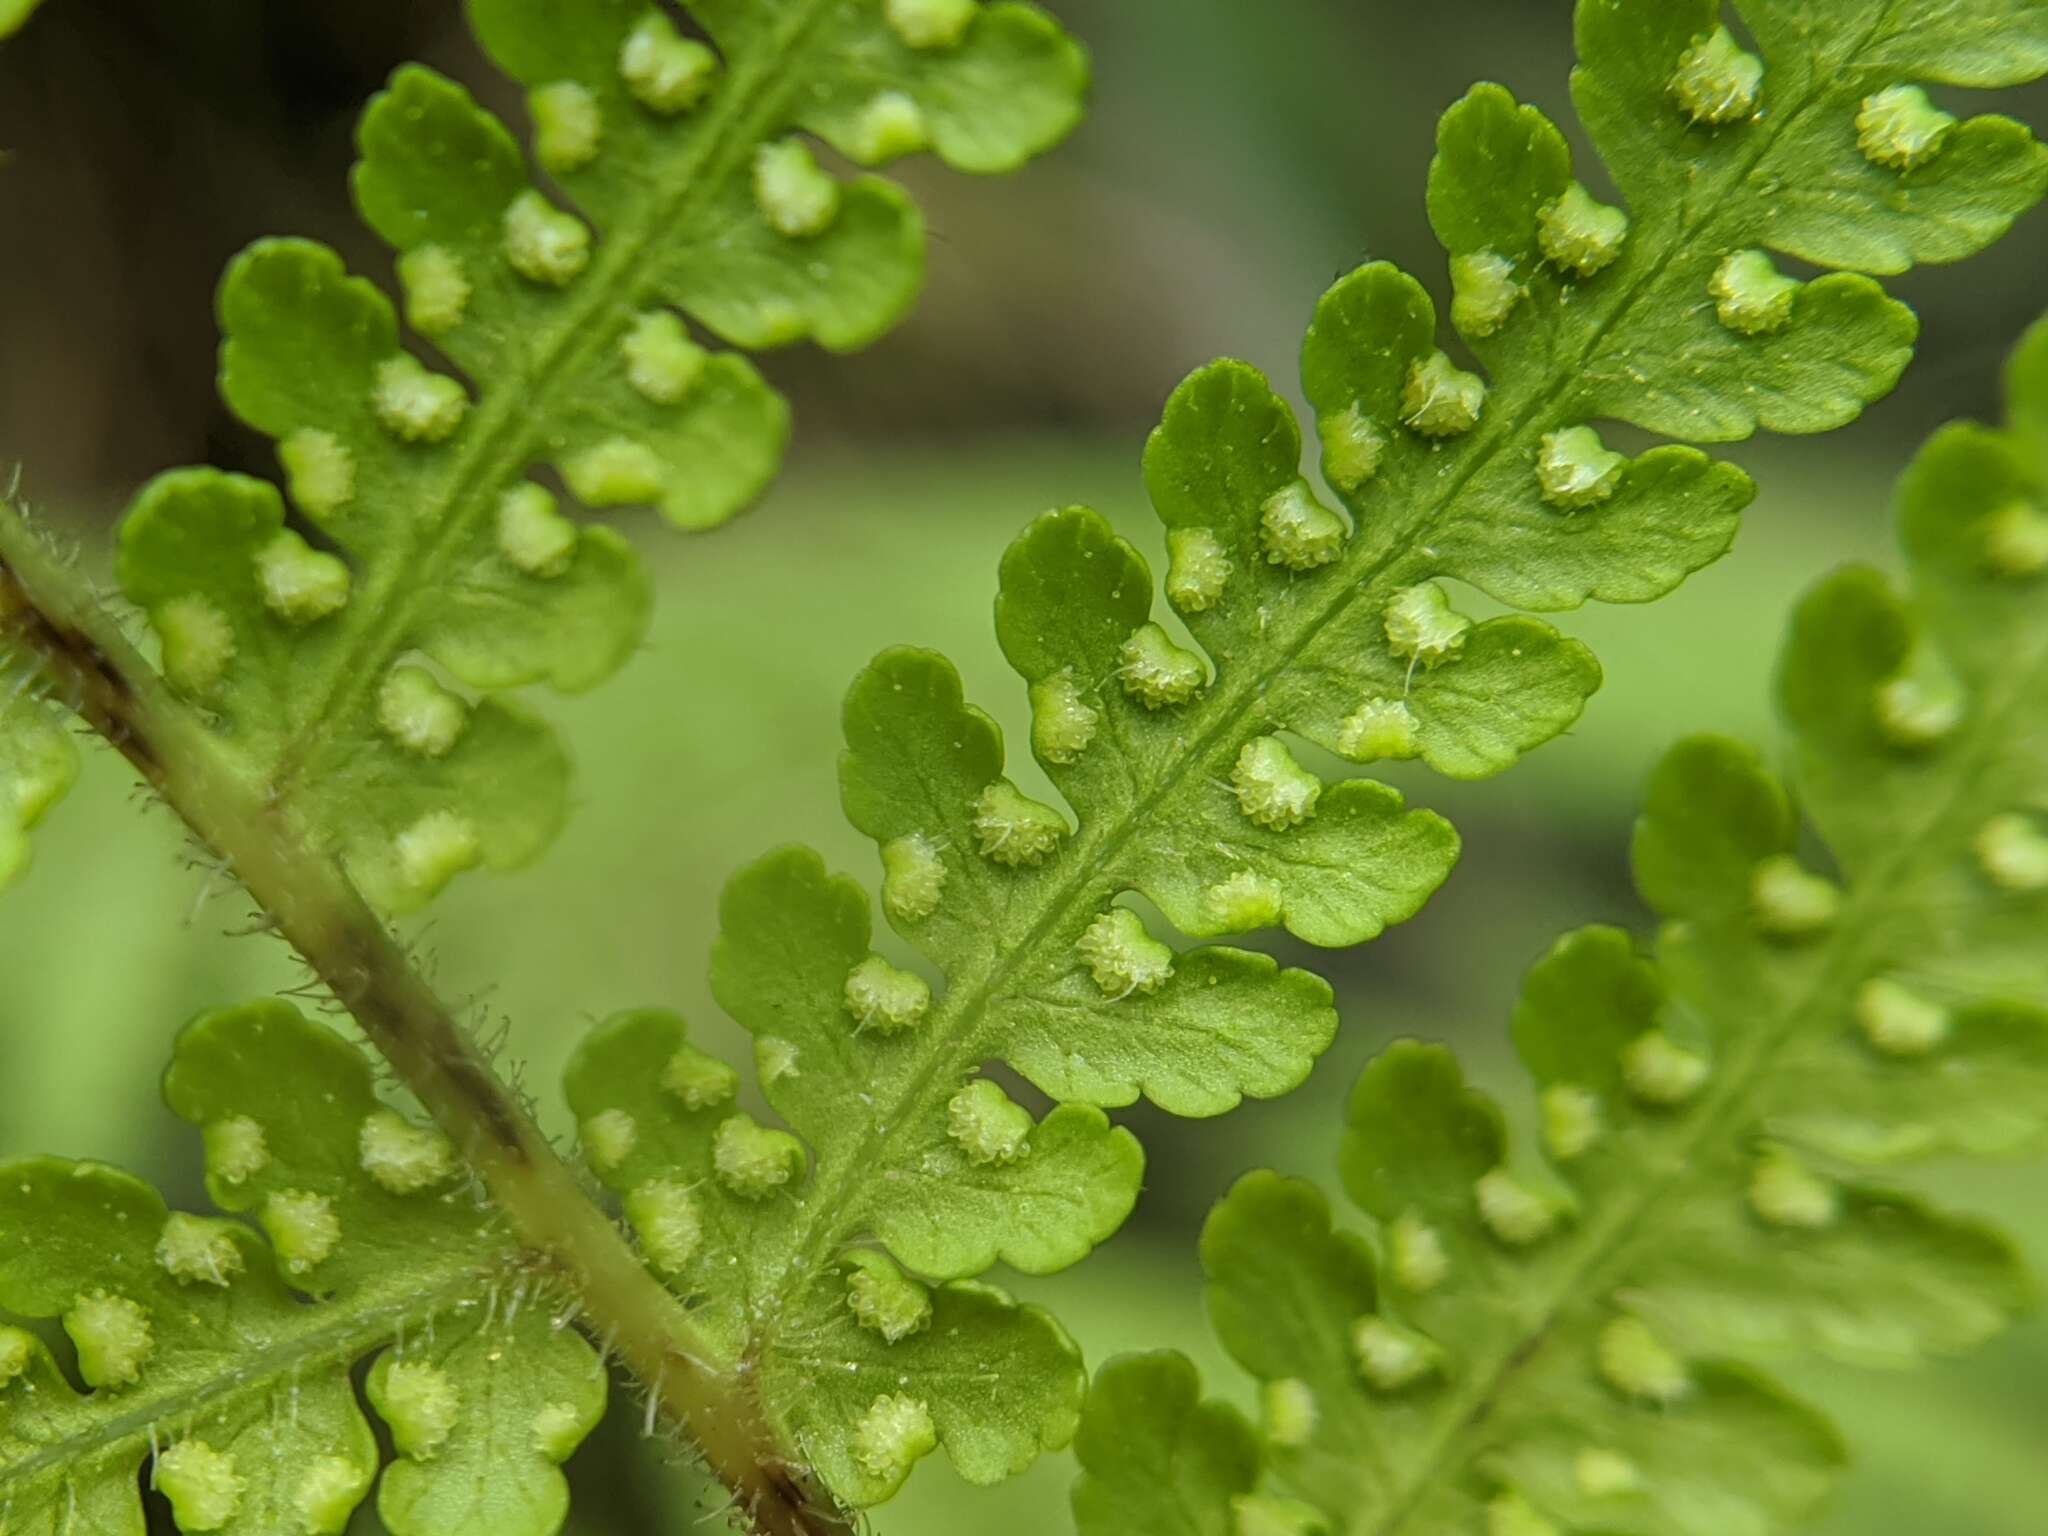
x=1534 y=1345
x=905 y=1151
x=353 y=653
x=222 y=1358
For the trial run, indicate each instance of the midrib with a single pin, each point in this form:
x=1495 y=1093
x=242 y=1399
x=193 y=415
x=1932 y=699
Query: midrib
x=338 y=1343
x=508 y=428
x=1613 y=1243
x=1096 y=850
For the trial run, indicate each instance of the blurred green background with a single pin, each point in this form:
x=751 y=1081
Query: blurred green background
x=1237 y=159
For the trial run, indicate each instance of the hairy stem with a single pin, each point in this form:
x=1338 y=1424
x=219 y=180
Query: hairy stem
x=54 y=630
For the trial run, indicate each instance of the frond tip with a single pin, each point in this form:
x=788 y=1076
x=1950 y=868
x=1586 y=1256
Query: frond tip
x=1549 y=1345
x=223 y=1361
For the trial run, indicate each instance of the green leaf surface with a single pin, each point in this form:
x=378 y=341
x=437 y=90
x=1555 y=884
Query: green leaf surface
x=998 y=1382
x=351 y=645
x=221 y=1356
x=1569 y=1338
x=1146 y=1427
x=14 y=15
x=38 y=763
x=1027 y=932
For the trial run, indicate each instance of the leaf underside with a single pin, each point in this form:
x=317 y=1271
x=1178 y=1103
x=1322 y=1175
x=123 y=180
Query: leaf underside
x=1313 y=624
x=1583 y=1327
x=355 y=646
x=838 y=1259
x=227 y=1358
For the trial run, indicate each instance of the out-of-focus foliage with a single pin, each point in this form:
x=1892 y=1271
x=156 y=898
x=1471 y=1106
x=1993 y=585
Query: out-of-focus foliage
x=14 y=15
x=1548 y=1343
x=37 y=765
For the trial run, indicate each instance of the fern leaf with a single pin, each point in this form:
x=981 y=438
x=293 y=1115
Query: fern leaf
x=868 y=1368
x=1537 y=1344
x=354 y=653
x=14 y=15
x=222 y=1357
x=38 y=763
x=906 y=1153
x=1146 y=1429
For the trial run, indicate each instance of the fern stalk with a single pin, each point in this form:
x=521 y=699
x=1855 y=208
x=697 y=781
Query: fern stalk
x=52 y=629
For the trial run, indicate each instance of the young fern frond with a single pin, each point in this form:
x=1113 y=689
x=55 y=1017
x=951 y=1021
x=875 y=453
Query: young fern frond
x=224 y=1359
x=1531 y=1346
x=352 y=655
x=905 y=1155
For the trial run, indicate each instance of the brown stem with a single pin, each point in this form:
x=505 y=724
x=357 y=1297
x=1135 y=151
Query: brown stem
x=52 y=627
